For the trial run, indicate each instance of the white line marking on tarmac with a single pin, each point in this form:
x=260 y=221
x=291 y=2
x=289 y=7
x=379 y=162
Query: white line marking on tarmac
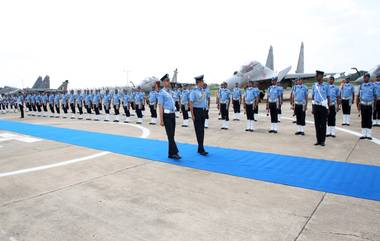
x=354 y=133
x=64 y=163
x=9 y=137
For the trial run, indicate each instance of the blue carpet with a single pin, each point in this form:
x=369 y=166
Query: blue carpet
x=356 y=180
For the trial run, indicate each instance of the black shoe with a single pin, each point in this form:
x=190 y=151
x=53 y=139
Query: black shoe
x=329 y=135
x=302 y=133
x=222 y=128
x=106 y=120
x=126 y=122
x=206 y=127
x=255 y=120
x=317 y=144
x=203 y=153
x=294 y=122
x=369 y=138
x=362 y=137
x=297 y=133
x=322 y=144
x=175 y=157
x=247 y=129
x=250 y=130
x=274 y=132
x=333 y=136
x=271 y=131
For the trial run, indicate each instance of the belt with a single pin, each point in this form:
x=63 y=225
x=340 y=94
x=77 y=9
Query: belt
x=272 y=102
x=249 y=102
x=366 y=102
x=199 y=108
x=167 y=111
x=346 y=98
x=299 y=103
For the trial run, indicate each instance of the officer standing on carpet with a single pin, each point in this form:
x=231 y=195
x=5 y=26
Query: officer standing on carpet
x=299 y=100
x=236 y=101
x=347 y=97
x=321 y=102
x=376 y=112
x=166 y=105
x=364 y=102
x=198 y=107
x=334 y=107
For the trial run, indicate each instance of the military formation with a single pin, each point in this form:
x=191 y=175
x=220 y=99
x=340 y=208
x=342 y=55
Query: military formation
x=166 y=103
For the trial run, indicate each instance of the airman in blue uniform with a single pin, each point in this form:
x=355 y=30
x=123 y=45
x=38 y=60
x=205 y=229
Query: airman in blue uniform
x=88 y=103
x=51 y=104
x=166 y=105
x=250 y=99
x=116 y=105
x=20 y=103
x=64 y=104
x=152 y=99
x=96 y=103
x=347 y=97
x=365 y=100
x=273 y=101
x=321 y=101
x=107 y=105
x=126 y=105
x=176 y=96
x=44 y=103
x=224 y=100
x=376 y=112
x=139 y=104
x=256 y=108
x=299 y=100
x=38 y=103
x=198 y=107
x=72 y=100
x=236 y=101
x=80 y=100
x=185 y=97
x=28 y=103
x=334 y=107
x=57 y=101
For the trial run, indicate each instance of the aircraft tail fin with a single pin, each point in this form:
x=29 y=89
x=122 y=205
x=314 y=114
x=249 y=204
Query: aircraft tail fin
x=38 y=84
x=64 y=85
x=281 y=75
x=301 y=63
x=270 y=59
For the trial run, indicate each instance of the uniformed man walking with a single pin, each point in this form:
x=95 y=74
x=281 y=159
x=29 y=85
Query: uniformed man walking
x=198 y=107
x=365 y=100
x=236 y=101
x=334 y=107
x=300 y=101
x=225 y=99
x=126 y=105
x=321 y=102
x=166 y=105
x=273 y=101
x=107 y=105
x=152 y=99
x=185 y=97
x=376 y=112
x=347 y=97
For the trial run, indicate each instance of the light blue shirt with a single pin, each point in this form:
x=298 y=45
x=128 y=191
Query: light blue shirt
x=38 y=99
x=27 y=99
x=225 y=96
x=72 y=98
x=106 y=99
x=165 y=99
x=185 y=97
x=125 y=99
x=139 y=98
x=87 y=100
x=198 y=96
x=80 y=99
x=44 y=99
x=64 y=99
x=377 y=89
x=20 y=100
x=334 y=92
x=116 y=99
x=367 y=92
x=274 y=93
x=57 y=98
x=236 y=93
x=153 y=97
x=300 y=93
x=176 y=94
x=51 y=99
x=347 y=91
x=96 y=98
x=322 y=94
x=250 y=96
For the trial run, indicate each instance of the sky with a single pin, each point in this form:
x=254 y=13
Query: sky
x=95 y=43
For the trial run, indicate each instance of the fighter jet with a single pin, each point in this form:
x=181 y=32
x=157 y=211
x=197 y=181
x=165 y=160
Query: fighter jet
x=373 y=72
x=262 y=75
